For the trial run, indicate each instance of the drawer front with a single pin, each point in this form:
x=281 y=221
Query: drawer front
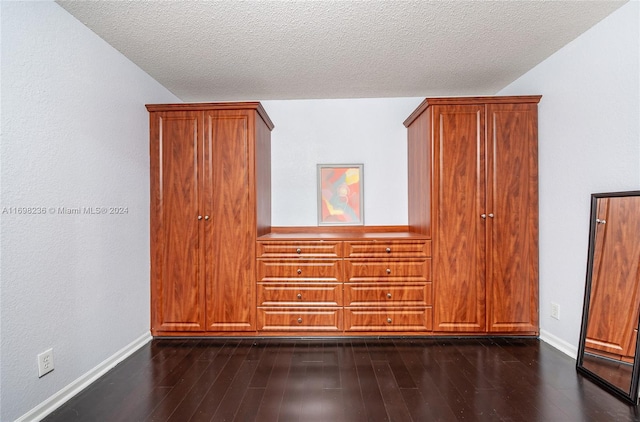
x=310 y=319
x=299 y=270
x=389 y=319
x=307 y=294
x=388 y=249
x=307 y=249
x=388 y=294
x=418 y=270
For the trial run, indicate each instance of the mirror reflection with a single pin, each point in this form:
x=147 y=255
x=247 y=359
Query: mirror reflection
x=609 y=338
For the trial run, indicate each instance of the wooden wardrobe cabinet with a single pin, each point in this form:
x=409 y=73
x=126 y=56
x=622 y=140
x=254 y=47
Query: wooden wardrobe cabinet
x=210 y=199
x=473 y=188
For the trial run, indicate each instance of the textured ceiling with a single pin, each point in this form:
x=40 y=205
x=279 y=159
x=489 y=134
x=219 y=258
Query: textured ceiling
x=261 y=50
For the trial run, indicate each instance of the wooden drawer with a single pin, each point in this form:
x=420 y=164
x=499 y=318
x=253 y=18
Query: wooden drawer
x=388 y=294
x=301 y=319
x=416 y=270
x=307 y=294
x=388 y=319
x=388 y=249
x=299 y=270
x=306 y=249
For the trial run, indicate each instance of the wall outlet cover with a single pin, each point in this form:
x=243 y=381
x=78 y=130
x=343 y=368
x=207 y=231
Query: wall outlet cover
x=45 y=362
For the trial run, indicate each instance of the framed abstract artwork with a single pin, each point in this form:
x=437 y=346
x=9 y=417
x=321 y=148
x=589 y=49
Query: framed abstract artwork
x=340 y=195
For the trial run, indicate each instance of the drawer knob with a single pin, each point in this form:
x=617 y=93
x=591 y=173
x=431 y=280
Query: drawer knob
x=389 y=320
x=388 y=270
x=298 y=251
x=388 y=250
x=299 y=320
x=388 y=295
x=299 y=295
x=299 y=271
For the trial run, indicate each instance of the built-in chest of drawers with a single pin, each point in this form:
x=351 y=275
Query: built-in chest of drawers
x=344 y=282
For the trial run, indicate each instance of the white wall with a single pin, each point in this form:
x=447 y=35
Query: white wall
x=311 y=132
x=74 y=134
x=0 y=216
x=589 y=141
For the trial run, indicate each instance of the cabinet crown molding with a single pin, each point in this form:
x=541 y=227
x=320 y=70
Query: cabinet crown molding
x=429 y=101
x=246 y=105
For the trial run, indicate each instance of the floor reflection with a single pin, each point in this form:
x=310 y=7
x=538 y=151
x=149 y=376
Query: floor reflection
x=615 y=372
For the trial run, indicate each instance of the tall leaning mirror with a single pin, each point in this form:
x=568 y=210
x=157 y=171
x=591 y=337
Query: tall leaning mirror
x=609 y=351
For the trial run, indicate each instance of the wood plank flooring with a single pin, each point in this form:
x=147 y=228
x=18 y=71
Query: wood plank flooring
x=347 y=379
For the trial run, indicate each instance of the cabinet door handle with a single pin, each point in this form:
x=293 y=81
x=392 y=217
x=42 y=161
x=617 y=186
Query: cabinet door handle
x=299 y=271
x=389 y=320
x=206 y=217
x=388 y=295
x=299 y=296
x=299 y=320
x=491 y=215
x=298 y=251
x=199 y=217
x=601 y=221
x=388 y=250
x=388 y=270
x=483 y=216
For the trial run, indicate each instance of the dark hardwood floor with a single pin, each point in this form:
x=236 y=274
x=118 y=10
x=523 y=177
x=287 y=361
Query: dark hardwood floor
x=353 y=379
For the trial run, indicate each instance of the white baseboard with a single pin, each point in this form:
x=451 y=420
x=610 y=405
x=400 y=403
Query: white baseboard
x=566 y=348
x=58 y=399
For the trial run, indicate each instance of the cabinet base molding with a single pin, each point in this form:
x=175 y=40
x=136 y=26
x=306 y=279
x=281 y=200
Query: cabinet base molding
x=339 y=334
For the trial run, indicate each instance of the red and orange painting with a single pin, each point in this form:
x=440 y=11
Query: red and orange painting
x=340 y=194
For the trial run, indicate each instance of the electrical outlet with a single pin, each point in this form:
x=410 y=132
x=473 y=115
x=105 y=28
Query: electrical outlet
x=45 y=362
x=555 y=310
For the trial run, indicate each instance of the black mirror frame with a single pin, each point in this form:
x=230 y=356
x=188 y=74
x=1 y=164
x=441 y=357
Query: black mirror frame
x=630 y=396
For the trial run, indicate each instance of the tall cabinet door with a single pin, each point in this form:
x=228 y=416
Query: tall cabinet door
x=512 y=207
x=231 y=224
x=615 y=291
x=459 y=233
x=178 y=291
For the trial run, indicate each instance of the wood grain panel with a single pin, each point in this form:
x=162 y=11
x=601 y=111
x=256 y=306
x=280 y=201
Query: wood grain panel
x=406 y=270
x=459 y=250
x=230 y=229
x=303 y=319
x=387 y=249
x=307 y=294
x=388 y=319
x=177 y=293
x=512 y=261
x=305 y=249
x=420 y=173
x=262 y=175
x=615 y=285
x=367 y=294
x=300 y=270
